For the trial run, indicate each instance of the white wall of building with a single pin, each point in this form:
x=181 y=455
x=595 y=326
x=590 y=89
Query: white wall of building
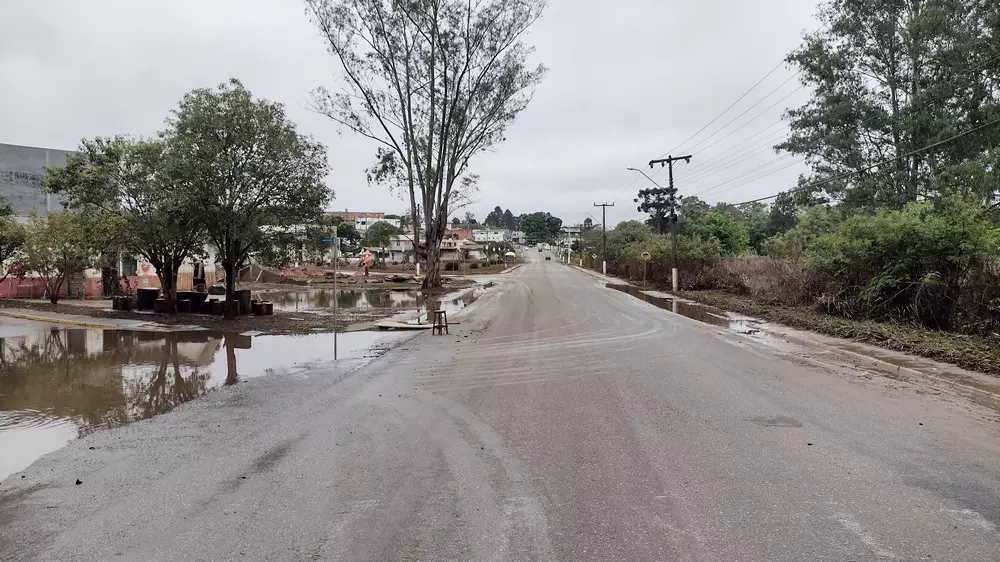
x=491 y=235
x=362 y=224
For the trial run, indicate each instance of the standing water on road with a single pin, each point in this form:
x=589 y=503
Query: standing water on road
x=321 y=300
x=58 y=384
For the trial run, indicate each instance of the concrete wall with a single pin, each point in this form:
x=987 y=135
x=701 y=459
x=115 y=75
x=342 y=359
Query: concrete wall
x=22 y=170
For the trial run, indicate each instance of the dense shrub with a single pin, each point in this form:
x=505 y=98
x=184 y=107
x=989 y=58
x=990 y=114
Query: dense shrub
x=474 y=265
x=914 y=263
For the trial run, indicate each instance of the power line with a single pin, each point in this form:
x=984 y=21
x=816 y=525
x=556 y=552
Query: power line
x=737 y=158
x=719 y=116
x=759 y=177
x=758 y=116
x=740 y=147
x=747 y=110
x=878 y=164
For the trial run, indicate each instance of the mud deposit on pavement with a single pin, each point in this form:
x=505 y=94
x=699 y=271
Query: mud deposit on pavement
x=698 y=312
x=58 y=384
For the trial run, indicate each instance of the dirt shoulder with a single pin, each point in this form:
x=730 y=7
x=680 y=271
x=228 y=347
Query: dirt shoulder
x=976 y=353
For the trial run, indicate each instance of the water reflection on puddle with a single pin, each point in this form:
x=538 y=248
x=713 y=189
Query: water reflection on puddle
x=58 y=384
x=698 y=312
x=322 y=300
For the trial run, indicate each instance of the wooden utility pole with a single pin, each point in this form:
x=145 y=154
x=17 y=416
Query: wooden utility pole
x=671 y=195
x=604 y=234
x=672 y=203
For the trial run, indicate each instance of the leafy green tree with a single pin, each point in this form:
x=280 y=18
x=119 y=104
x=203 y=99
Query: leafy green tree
x=346 y=231
x=434 y=83
x=628 y=240
x=588 y=224
x=783 y=214
x=733 y=235
x=757 y=219
x=495 y=219
x=12 y=239
x=693 y=208
x=813 y=223
x=379 y=235
x=889 y=78
x=456 y=222
x=247 y=166
x=509 y=222
x=133 y=180
x=540 y=227
x=56 y=248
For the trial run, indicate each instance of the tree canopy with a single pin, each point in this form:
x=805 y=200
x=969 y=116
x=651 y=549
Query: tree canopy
x=247 y=167
x=136 y=181
x=433 y=83
x=540 y=227
x=891 y=78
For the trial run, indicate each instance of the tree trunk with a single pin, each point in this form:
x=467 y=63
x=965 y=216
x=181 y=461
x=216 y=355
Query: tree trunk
x=230 y=285
x=432 y=279
x=167 y=273
x=54 y=289
x=232 y=377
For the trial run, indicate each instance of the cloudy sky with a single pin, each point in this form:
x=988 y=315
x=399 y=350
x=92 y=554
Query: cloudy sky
x=628 y=81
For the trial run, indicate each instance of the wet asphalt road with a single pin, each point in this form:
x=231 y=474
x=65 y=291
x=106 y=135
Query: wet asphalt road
x=559 y=421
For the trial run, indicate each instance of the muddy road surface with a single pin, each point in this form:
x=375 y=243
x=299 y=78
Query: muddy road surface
x=560 y=420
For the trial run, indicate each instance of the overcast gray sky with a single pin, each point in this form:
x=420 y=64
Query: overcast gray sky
x=628 y=81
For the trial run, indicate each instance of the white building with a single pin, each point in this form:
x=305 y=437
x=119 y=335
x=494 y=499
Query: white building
x=400 y=249
x=570 y=234
x=491 y=235
x=362 y=224
x=518 y=237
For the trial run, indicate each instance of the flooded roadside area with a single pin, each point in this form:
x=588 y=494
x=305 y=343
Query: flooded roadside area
x=695 y=311
x=59 y=383
x=376 y=302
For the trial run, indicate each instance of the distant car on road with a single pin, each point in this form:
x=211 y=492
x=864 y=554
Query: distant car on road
x=548 y=258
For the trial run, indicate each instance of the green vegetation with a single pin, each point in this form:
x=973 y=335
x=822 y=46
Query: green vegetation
x=379 y=235
x=64 y=244
x=12 y=239
x=130 y=179
x=896 y=228
x=540 y=227
x=229 y=170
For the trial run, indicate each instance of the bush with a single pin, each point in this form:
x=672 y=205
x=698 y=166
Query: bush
x=474 y=265
x=451 y=266
x=733 y=236
x=912 y=263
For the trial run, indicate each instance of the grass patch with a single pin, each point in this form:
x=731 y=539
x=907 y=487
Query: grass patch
x=977 y=353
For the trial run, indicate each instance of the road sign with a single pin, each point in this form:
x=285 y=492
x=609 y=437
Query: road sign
x=330 y=241
x=645 y=256
x=593 y=256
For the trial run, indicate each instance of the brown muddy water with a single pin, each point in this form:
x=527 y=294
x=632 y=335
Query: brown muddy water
x=701 y=313
x=58 y=384
x=322 y=300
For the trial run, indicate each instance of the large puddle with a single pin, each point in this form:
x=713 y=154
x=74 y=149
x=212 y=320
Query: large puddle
x=322 y=300
x=58 y=384
x=701 y=313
